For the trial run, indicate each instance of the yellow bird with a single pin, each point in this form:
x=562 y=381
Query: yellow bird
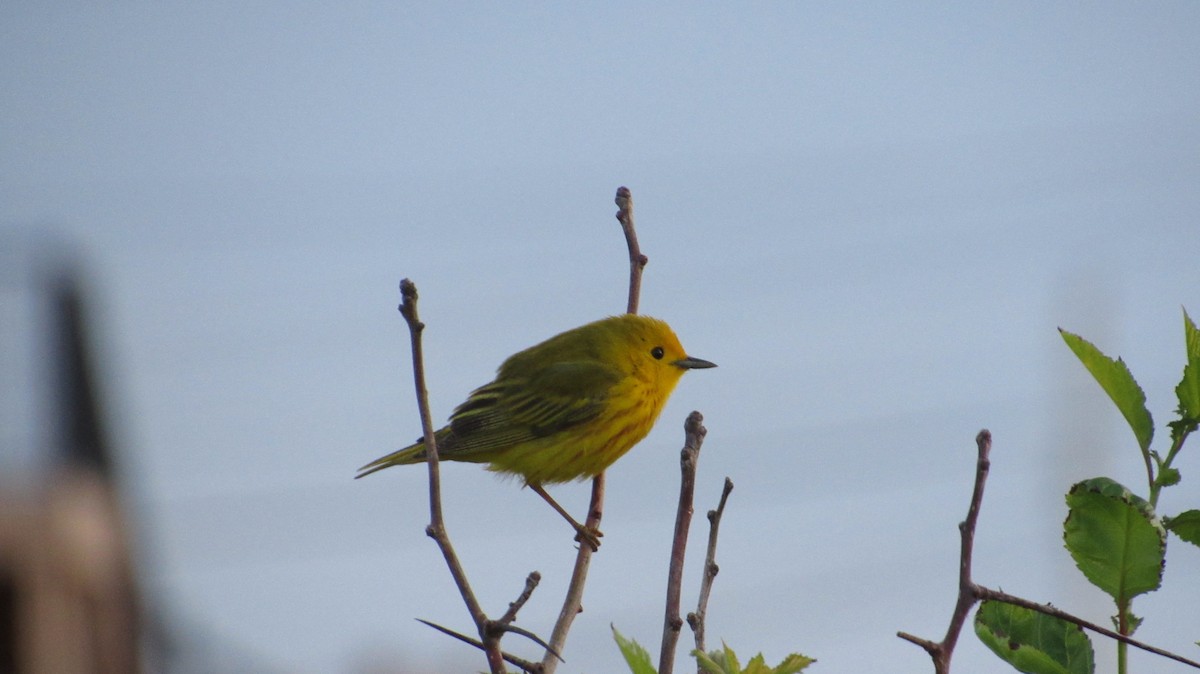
x=565 y=409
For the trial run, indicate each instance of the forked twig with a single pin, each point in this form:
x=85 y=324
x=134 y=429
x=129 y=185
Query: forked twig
x=694 y=433
x=437 y=526
x=942 y=652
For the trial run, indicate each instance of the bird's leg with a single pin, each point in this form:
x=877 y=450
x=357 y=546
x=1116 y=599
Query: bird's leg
x=583 y=534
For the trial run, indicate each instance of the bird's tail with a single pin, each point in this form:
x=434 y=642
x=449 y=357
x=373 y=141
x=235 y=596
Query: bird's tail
x=411 y=454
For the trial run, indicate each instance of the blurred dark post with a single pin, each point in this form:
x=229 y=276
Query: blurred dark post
x=69 y=599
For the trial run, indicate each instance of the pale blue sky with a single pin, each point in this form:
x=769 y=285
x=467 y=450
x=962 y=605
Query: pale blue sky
x=872 y=217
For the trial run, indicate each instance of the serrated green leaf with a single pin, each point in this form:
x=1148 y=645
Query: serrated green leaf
x=757 y=665
x=636 y=657
x=1167 y=477
x=1181 y=427
x=1114 y=538
x=793 y=664
x=1118 y=382
x=725 y=662
x=1033 y=642
x=1133 y=622
x=1186 y=525
x=731 y=659
x=1188 y=390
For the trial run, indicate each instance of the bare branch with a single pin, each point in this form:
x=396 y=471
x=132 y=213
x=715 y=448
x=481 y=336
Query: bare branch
x=943 y=651
x=696 y=619
x=969 y=593
x=437 y=526
x=694 y=433
x=573 y=602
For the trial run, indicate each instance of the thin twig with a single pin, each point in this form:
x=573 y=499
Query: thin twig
x=943 y=651
x=696 y=619
x=531 y=583
x=982 y=592
x=437 y=526
x=637 y=261
x=533 y=667
x=573 y=602
x=694 y=432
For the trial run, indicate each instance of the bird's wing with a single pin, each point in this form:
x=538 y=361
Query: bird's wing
x=512 y=410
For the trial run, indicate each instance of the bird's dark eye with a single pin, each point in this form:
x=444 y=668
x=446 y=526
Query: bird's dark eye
x=657 y=352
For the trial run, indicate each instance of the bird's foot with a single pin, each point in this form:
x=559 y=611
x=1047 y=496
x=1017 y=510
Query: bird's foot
x=588 y=535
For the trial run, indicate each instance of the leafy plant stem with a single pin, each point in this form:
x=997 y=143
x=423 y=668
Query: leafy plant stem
x=1123 y=628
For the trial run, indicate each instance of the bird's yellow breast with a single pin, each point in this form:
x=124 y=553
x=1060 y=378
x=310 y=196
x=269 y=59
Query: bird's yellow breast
x=586 y=450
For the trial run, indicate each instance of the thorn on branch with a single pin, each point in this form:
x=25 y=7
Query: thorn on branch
x=497 y=630
x=532 y=667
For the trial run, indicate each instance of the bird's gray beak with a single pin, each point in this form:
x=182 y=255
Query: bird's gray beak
x=690 y=363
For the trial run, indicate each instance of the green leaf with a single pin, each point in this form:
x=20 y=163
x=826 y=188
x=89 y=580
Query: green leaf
x=1116 y=380
x=635 y=656
x=793 y=664
x=1167 y=477
x=1186 y=525
x=725 y=662
x=731 y=659
x=1188 y=390
x=1182 y=427
x=1115 y=538
x=1033 y=642
x=757 y=665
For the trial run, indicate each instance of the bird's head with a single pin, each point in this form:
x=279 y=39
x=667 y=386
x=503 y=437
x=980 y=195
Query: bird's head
x=649 y=349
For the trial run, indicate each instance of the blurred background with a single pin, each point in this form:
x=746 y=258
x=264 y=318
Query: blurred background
x=872 y=217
